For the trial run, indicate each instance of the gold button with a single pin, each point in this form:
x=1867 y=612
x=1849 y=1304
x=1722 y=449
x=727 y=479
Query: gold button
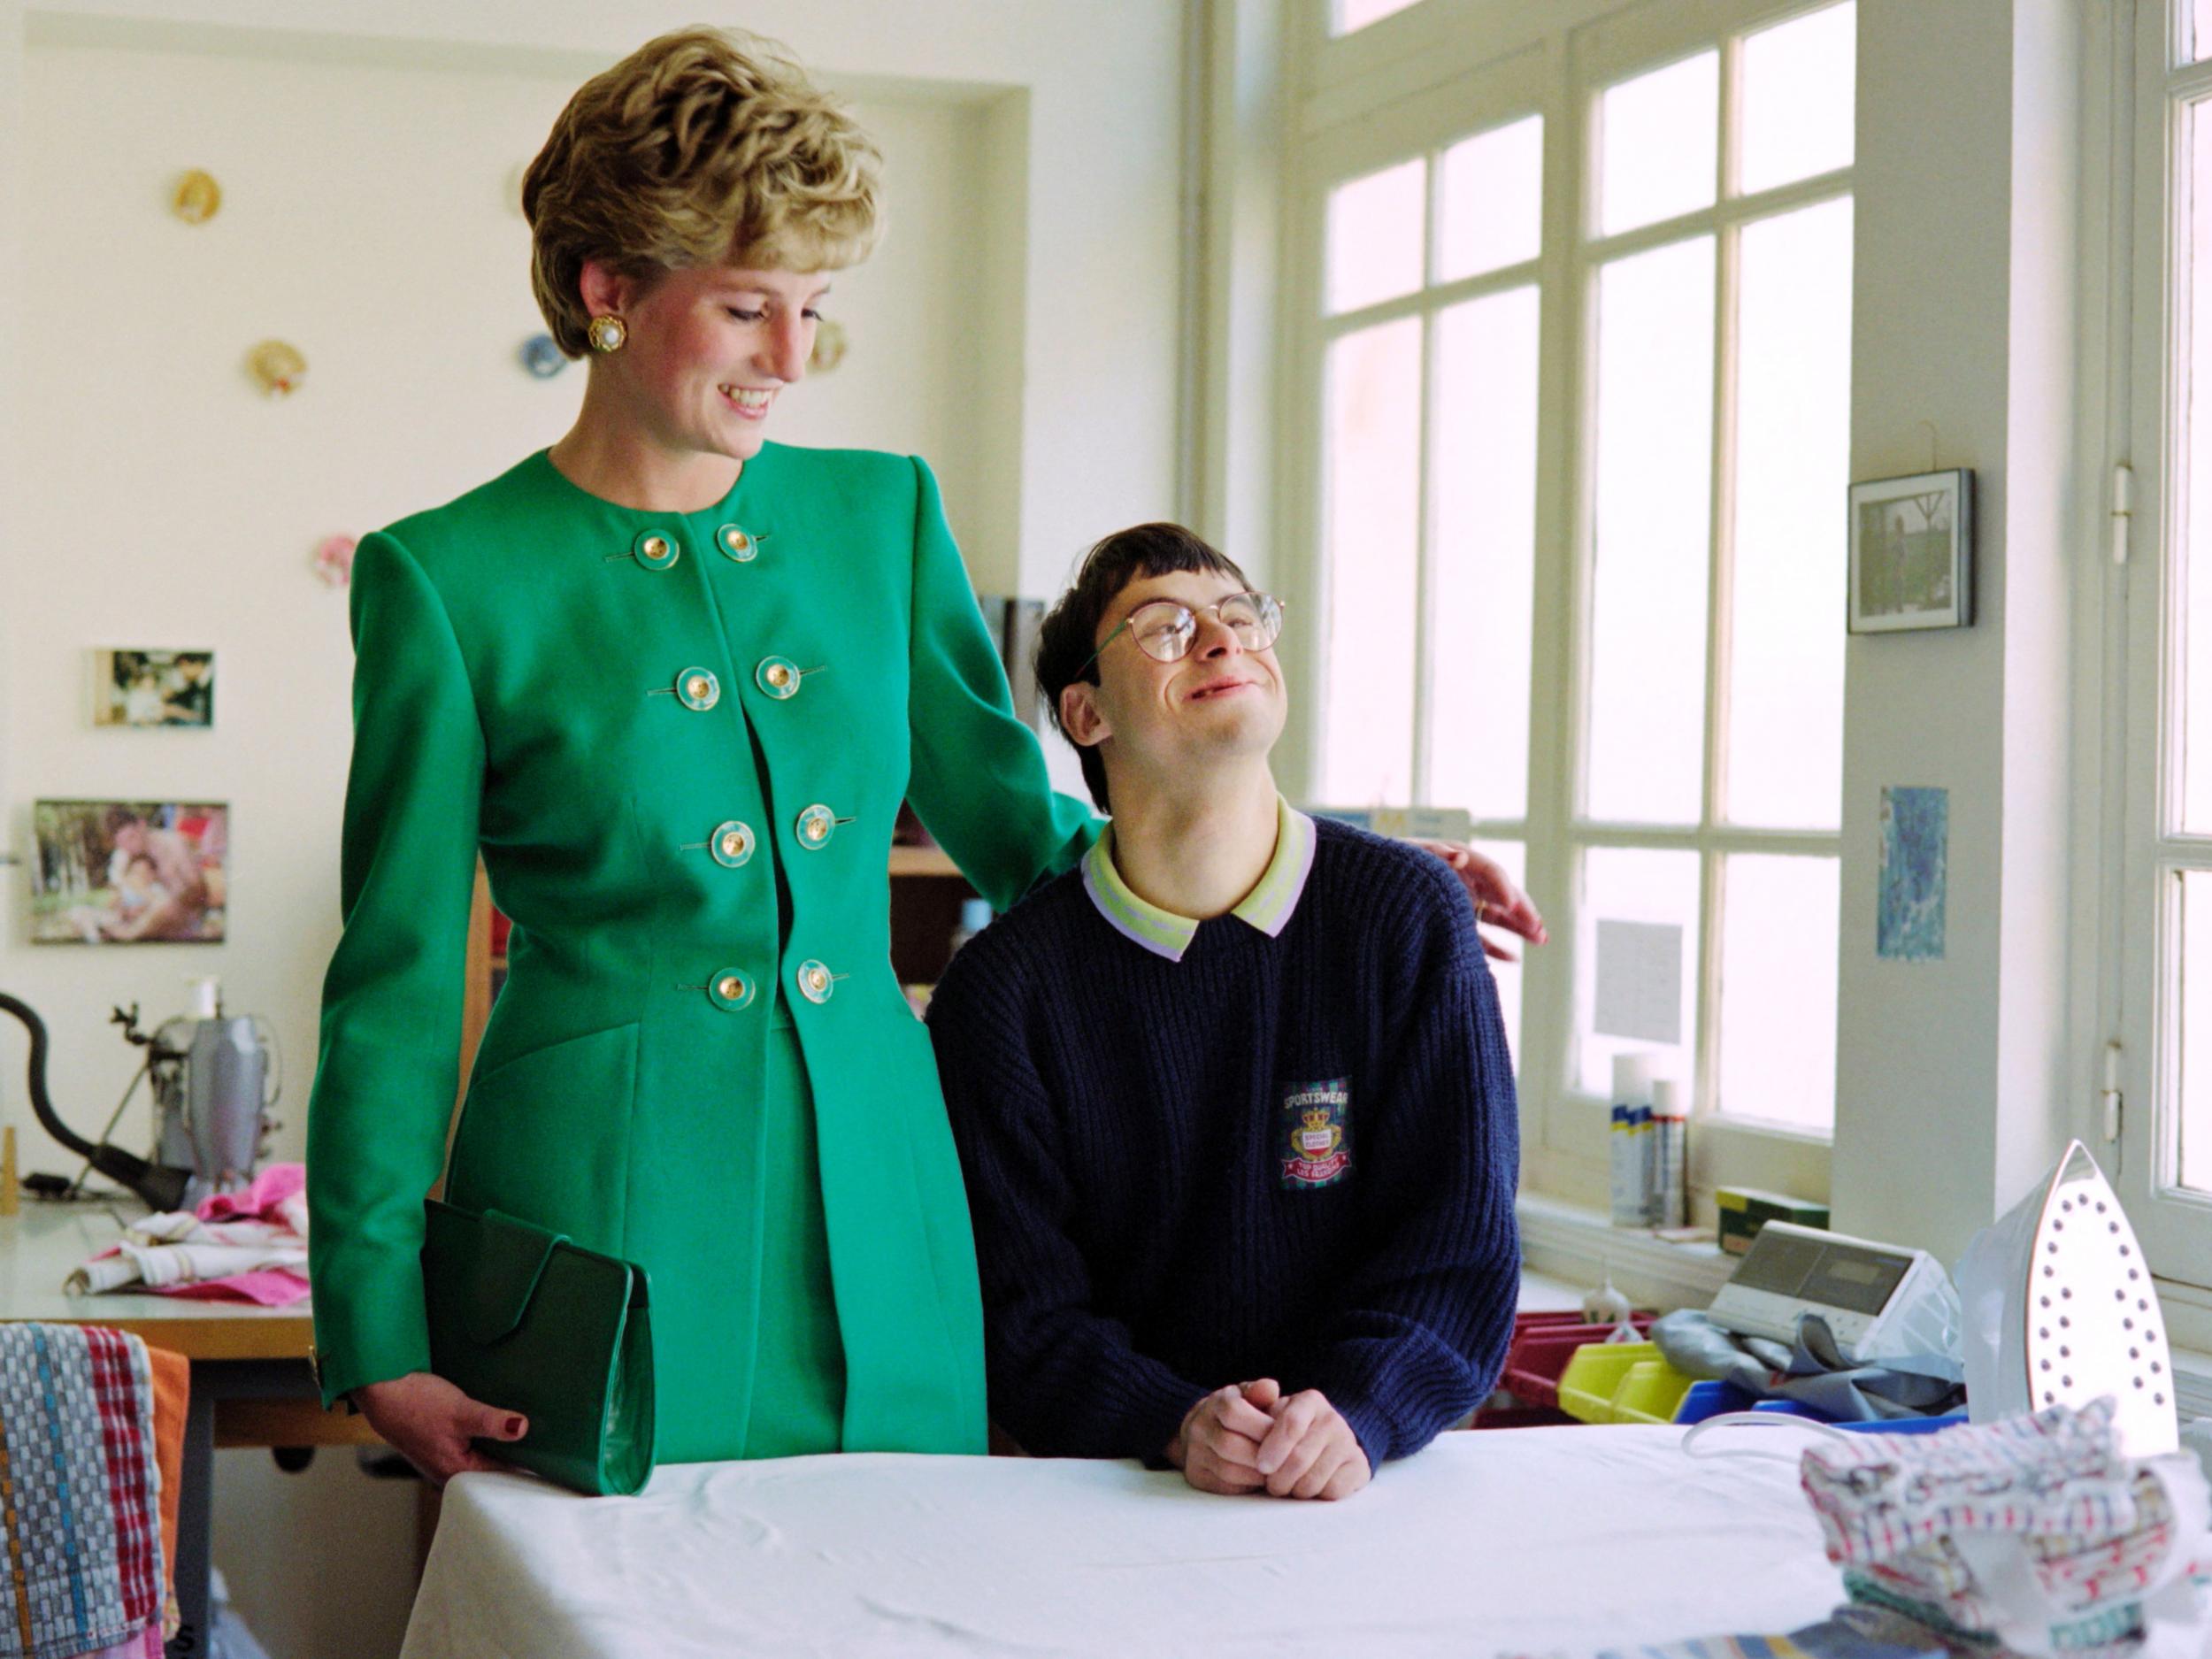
x=655 y=546
x=737 y=540
x=698 y=684
x=729 y=991
x=816 y=980
x=778 y=675
x=731 y=842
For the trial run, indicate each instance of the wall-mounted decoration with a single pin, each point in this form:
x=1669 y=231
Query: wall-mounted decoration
x=830 y=344
x=148 y=687
x=334 y=560
x=1915 y=874
x=1912 y=552
x=542 y=358
x=197 y=197
x=277 y=368
x=129 y=872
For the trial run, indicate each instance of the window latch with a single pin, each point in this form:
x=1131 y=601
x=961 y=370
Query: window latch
x=2122 y=510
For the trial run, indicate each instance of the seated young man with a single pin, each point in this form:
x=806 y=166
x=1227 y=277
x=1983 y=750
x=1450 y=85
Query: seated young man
x=1232 y=1099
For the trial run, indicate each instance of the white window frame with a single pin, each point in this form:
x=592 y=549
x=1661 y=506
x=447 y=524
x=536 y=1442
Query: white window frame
x=2141 y=656
x=1404 y=88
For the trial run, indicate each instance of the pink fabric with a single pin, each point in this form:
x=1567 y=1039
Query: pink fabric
x=261 y=1199
x=273 y=1195
x=270 y=1286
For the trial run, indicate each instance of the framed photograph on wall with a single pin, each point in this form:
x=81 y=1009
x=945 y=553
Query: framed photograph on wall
x=153 y=687
x=1912 y=552
x=130 y=871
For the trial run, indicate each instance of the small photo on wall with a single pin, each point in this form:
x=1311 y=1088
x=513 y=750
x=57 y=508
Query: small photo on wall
x=1912 y=552
x=148 y=687
x=130 y=872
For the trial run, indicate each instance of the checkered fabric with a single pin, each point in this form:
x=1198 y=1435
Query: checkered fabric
x=2097 y=1532
x=81 y=1568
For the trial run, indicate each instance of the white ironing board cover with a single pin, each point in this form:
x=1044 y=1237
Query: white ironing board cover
x=1537 y=1540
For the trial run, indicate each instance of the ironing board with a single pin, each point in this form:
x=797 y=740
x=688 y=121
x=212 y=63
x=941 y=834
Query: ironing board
x=1518 y=1540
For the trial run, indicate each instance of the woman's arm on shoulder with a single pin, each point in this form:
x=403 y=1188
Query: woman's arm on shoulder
x=977 y=773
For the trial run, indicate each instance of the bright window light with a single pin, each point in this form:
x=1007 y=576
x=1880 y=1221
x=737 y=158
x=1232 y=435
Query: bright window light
x=1659 y=137
x=1800 y=80
x=1483 y=561
x=1650 y=535
x=1375 y=229
x=1348 y=17
x=1778 y=989
x=1492 y=206
x=1793 y=464
x=1373 y=439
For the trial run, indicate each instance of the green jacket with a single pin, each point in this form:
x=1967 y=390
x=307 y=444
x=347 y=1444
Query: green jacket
x=679 y=742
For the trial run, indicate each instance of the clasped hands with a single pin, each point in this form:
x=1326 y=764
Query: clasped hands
x=1249 y=1437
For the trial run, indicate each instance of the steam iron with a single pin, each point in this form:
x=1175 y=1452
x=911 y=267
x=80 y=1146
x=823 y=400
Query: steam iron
x=2061 y=1310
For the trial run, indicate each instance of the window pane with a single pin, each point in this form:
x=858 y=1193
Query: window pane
x=1375 y=226
x=1492 y=205
x=1650 y=535
x=1798 y=84
x=1373 y=482
x=1348 y=15
x=1792 y=464
x=1778 y=989
x=2199 y=19
x=1659 y=138
x=1514 y=857
x=2193 y=704
x=2193 y=1004
x=1627 y=884
x=1484 y=563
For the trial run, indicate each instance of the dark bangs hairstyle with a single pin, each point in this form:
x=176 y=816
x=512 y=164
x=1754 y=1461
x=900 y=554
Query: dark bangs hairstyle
x=1069 y=636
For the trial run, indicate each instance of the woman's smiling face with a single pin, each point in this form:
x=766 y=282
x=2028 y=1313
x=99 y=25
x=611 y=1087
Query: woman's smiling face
x=709 y=348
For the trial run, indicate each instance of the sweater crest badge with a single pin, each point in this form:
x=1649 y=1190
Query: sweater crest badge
x=1317 y=1133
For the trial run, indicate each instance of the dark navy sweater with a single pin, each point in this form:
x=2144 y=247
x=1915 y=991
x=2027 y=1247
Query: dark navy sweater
x=1159 y=1211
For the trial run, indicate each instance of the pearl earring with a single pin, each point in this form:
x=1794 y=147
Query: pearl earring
x=607 y=334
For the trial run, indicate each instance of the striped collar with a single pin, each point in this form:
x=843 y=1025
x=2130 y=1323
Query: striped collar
x=1266 y=907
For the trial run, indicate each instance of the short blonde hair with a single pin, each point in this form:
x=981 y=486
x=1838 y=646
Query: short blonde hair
x=699 y=148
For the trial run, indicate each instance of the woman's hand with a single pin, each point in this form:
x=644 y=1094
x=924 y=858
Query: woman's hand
x=1498 y=903
x=430 y=1422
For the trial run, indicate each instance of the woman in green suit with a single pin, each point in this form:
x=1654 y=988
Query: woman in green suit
x=673 y=682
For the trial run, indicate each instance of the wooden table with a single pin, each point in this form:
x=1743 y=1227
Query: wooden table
x=251 y=1385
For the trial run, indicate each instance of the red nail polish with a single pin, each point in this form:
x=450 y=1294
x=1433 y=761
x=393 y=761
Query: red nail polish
x=514 y=1427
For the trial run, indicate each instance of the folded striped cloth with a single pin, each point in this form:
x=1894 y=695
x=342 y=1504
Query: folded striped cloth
x=80 y=1535
x=2033 y=1529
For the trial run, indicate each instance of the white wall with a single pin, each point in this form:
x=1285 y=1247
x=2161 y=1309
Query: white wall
x=1019 y=326
x=1952 y=1091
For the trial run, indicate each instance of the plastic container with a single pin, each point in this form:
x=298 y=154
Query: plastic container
x=1621 y=1382
x=1542 y=1345
x=1710 y=1399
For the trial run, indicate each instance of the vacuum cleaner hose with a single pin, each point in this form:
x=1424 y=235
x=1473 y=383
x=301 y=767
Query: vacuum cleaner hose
x=163 y=1189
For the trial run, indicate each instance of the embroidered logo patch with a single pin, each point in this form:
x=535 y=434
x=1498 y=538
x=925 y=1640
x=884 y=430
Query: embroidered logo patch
x=1317 y=1133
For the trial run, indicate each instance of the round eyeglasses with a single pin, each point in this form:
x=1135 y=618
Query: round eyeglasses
x=1164 y=629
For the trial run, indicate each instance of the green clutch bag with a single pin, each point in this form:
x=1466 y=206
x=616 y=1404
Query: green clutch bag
x=522 y=1319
